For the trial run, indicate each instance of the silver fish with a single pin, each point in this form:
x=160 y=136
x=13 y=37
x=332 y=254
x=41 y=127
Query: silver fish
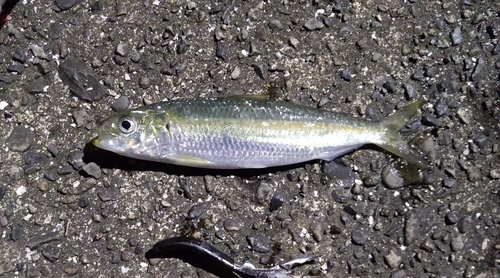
x=248 y=132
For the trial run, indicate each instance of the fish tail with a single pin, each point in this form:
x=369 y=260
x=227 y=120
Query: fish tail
x=394 y=143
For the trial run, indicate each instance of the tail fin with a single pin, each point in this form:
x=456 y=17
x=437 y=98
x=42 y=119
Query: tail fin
x=393 y=143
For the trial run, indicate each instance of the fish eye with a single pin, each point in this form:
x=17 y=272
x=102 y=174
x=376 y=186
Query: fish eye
x=127 y=125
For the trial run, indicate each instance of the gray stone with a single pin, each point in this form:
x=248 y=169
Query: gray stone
x=144 y=82
x=264 y=192
x=276 y=201
x=392 y=259
x=80 y=80
x=37 y=241
x=108 y=194
x=122 y=49
x=359 y=237
x=457 y=243
x=464 y=224
x=196 y=210
x=80 y=117
x=232 y=225
x=75 y=159
x=456 y=36
x=120 y=104
x=391 y=177
x=260 y=244
x=495 y=174
x=51 y=253
x=66 y=4
x=275 y=25
x=93 y=170
x=20 y=139
x=314 y=24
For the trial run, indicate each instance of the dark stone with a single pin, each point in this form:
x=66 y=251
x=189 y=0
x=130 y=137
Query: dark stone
x=429 y=120
x=80 y=80
x=51 y=174
x=335 y=230
x=351 y=210
x=97 y=6
x=264 y=192
x=66 y=170
x=260 y=70
x=120 y=104
x=16 y=233
x=75 y=158
x=440 y=108
x=334 y=170
x=3 y=190
x=480 y=70
x=20 y=139
x=20 y=55
x=33 y=158
x=464 y=224
x=16 y=67
x=51 y=253
x=93 y=170
x=66 y=4
x=260 y=244
x=83 y=202
x=276 y=201
x=451 y=218
x=221 y=51
x=53 y=150
x=182 y=46
x=359 y=237
x=346 y=75
x=392 y=178
x=108 y=194
x=116 y=258
x=37 y=241
x=56 y=30
x=314 y=24
x=481 y=141
x=196 y=210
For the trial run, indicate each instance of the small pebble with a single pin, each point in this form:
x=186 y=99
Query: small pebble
x=264 y=192
x=392 y=177
x=232 y=225
x=314 y=24
x=260 y=244
x=276 y=201
x=464 y=224
x=196 y=210
x=144 y=82
x=456 y=36
x=392 y=259
x=20 y=139
x=120 y=104
x=93 y=170
x=359 y=237
x=275 y=25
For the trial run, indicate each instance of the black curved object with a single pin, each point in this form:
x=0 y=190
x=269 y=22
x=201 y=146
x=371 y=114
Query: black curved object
x=196 y=253
x=205 y=256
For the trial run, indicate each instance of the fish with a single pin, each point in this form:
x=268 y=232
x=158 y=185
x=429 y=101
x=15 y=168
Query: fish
x=248 y=132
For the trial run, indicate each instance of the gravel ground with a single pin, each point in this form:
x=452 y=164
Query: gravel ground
x=68 y=209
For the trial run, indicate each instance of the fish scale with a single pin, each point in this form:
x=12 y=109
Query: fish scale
x=247 y=132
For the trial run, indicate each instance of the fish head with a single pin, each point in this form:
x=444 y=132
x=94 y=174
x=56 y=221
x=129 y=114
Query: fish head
x=142 y=133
